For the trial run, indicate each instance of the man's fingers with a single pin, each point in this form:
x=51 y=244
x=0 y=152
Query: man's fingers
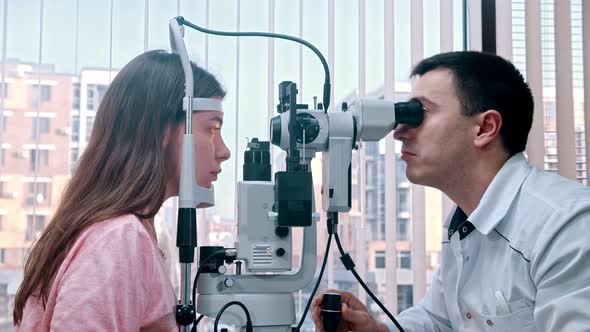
x=316 y=317
x=355 y=317
x=318 y=300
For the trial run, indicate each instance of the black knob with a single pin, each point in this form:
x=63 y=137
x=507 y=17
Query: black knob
x=280 y=252
x=281 y=231
x=185 y=314
x=331 y=311
x=344 y=106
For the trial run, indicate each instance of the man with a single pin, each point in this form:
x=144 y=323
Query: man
x=515 y=254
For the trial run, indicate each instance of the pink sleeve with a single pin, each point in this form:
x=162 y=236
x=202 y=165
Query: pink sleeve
x=114 y=284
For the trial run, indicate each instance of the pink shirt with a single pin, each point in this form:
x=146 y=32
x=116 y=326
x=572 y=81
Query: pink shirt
x=112 y=279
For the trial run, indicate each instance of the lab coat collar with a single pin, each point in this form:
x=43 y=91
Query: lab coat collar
x=500 y=194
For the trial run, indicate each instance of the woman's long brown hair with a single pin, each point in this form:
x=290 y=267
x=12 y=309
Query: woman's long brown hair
x=123 y=168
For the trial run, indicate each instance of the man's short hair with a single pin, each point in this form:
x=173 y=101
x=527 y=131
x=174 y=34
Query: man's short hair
x=486 y=81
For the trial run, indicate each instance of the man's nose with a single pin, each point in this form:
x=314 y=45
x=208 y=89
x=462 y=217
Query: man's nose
x=401 y=132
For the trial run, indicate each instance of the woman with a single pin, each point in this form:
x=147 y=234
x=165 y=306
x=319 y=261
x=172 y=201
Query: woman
x=97 y=266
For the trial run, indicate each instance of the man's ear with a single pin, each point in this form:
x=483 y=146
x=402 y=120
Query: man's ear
x=488 y=128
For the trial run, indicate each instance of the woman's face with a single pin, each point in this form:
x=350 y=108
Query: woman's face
x=210 y=150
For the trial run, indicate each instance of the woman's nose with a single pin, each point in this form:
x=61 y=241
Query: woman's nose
x=223 y=152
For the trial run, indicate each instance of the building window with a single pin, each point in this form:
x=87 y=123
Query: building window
x=39 y=156
x=402 y=230
x=404 y=260
x=95 y=93
x=4 y=90
x=43 y=94
x=2 y=255
x=89 y=125
x=75 y=128
x=4 y=194
x=76 y=102
x=40 y=126
x=380 y=259
x=402 y=200
x=37 y=192
x=35 y=226
x=74 y=155
x=405 y=297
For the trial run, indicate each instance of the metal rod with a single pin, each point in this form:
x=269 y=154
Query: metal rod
x=189 y=117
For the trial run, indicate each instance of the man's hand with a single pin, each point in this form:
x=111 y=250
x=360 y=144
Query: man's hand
x=355 y=316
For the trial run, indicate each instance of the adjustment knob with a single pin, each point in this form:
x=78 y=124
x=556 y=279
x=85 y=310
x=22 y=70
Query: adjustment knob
x=280 y=252
x=281 y=231
x=228 y=282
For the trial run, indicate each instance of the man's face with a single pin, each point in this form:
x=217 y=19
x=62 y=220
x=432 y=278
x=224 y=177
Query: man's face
x=439 y=149
x=210 y=149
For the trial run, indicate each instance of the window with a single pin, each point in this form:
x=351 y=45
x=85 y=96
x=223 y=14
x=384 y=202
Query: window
x=402 y=230
x=95 y=93
x=89 y=125
x=39 y=156
x=43 y=94
x=35 y=226
x=405 y=297
x=4 y=193
x=101 y=89
x=5 y=311
x=4 y=90
x=74 y=155
x=402 y=200
x=75 y=128
x=2 y=255
x=404 y=260
x=380 y=259
x=76 y=101
x=40 y=126
x=37 y=193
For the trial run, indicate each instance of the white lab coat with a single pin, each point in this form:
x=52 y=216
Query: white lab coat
x=525 y=266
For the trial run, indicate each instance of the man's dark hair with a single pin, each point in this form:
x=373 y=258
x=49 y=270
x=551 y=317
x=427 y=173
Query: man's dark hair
x=486 y=81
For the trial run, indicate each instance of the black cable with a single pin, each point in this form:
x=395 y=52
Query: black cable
x=201 y=263
x=199 y=319
x=346 y=258
x=196 y=322
x=317 y=284
x=181 y=20
x=229 y=304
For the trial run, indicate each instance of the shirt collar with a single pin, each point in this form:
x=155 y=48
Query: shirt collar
x=500 y=193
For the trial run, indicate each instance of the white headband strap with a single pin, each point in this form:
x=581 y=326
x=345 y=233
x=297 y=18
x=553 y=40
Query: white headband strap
x=205 y=104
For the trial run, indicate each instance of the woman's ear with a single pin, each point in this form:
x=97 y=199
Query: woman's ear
x=170 y=135
x=489 y=124
x=167 y=135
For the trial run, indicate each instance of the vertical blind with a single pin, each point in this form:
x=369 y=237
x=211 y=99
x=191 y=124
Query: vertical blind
x=330 y=24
